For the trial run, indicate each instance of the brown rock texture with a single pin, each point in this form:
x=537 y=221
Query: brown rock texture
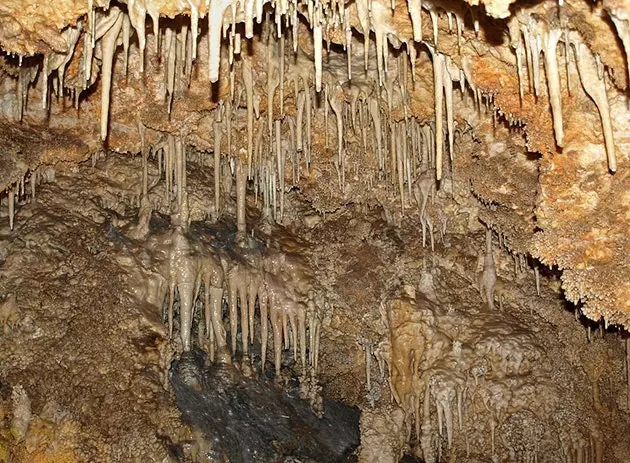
x=349 y=139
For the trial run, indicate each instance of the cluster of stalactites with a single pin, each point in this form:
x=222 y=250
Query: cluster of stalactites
x=247 y=289
x=529 y=38
x=25 y=188
x=178 y=43
x=287 y=141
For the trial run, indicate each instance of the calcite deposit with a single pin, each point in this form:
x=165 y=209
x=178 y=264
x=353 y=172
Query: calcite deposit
x=420 y=209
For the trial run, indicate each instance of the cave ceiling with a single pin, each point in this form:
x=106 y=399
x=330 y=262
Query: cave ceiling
x=526 y=100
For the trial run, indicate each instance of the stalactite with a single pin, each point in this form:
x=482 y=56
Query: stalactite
x=447 y=84
x=217 y=166
x=375 y=113
x=108 y=44
x=45 y=83
x=335 y=105
x=137 y=16
x=620 y=20
x=249 y=89
x=534 y=47
x=194 y=26
x=126 y=32
x=309 y=132
x=415 y=11
x=169 y=49
x=595 y=87
x=281 y=53
x=317 y=44
x=553 y=82
x=434 y=22
x=438 y=78
x=364 y=20
x=241 y=183
x=300 y=111
x=215 y=24
x=11 y=200
x=519 y=68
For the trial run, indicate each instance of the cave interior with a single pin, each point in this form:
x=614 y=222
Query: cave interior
x=315 y=231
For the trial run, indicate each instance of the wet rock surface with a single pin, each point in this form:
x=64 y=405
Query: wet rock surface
x=256 y=420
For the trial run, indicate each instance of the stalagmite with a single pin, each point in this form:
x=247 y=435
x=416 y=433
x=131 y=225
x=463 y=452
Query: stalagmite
x=553 y=82
x=108 y=44
x=595 y=87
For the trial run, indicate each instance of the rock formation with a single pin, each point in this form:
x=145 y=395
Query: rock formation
x=398 y=203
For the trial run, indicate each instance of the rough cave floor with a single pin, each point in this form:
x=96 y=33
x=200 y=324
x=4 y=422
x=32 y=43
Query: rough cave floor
x=85 y=362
